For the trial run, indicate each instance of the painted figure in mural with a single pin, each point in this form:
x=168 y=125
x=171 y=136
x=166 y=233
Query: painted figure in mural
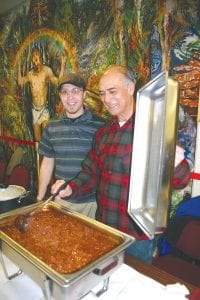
x=106 y=168
x=66 y=141
x=38 y=78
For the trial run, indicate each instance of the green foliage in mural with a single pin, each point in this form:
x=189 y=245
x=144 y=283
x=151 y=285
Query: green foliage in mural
x=13 y=117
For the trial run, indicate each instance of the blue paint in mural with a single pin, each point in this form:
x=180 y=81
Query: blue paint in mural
x=183 y=50
x=155 y=52
x=187 y=135
x=183 y=62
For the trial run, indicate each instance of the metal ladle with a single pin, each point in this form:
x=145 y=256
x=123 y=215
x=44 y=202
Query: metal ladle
x=21 y=221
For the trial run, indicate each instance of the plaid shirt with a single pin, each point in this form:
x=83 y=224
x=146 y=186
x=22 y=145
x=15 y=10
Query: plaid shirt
x=106 y=169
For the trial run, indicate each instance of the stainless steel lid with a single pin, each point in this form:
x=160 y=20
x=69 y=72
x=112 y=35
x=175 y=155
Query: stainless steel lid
x=153 y=154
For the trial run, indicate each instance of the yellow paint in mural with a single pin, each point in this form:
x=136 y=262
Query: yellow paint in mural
x=57 y=37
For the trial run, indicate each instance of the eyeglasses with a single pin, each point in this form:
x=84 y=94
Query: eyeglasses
x=74 y=91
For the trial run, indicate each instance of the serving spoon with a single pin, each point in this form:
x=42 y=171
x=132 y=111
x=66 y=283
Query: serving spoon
x=21 y=221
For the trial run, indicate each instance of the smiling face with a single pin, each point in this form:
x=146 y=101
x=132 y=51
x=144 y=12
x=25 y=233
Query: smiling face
x=116 y=93
x=72 y=99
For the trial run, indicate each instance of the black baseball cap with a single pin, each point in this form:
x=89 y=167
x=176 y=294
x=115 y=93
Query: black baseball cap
x=74 y=79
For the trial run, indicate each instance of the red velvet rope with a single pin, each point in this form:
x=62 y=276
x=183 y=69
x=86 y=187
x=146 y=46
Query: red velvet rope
x=14 y=140
x=195 y=176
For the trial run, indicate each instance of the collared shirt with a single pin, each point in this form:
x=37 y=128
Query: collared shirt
x=68 y=141
x=106 y=170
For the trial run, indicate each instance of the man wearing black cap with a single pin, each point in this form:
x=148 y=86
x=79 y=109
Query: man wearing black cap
x=66 y=141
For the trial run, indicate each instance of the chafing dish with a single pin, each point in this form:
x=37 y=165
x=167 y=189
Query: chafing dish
x=153 y=153
x=12 y=197
x=63 y=286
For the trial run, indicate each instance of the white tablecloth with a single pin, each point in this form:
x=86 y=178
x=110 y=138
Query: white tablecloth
x=125 y=283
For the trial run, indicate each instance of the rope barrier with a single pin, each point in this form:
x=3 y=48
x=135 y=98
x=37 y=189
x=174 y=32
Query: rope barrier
x=195 y=176
x=14 y=140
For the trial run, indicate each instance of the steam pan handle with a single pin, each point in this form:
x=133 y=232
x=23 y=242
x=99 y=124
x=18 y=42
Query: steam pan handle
x=107 y=268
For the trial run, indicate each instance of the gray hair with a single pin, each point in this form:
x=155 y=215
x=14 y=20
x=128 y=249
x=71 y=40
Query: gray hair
x=128 y=72
x=131 y=75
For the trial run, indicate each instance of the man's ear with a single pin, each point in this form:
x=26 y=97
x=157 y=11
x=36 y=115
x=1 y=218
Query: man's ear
x=131 y=88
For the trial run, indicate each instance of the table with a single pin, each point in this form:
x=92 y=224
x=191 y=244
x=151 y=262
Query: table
x=134 y=279
x=155 y=273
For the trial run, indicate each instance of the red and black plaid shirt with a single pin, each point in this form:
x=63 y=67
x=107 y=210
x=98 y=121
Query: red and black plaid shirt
x=106 y=170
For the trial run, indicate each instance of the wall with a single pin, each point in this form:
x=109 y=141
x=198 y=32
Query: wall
x=90 y=35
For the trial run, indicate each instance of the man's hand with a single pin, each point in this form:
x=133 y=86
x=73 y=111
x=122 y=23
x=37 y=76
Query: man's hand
x=63 y=193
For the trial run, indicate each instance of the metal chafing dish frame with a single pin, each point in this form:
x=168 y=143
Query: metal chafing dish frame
x=53 y=284
x=153 y=154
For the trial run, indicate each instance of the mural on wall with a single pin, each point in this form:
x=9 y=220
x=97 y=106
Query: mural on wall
x=155 y=52
x=87 y=36
x=33 y=63
x=184 y=37
x=62 y=36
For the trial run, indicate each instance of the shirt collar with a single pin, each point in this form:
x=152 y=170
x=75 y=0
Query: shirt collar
x=87 y=115
x=115 y=121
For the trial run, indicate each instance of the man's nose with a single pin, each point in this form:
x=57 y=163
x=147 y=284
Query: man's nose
x=70 y=94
